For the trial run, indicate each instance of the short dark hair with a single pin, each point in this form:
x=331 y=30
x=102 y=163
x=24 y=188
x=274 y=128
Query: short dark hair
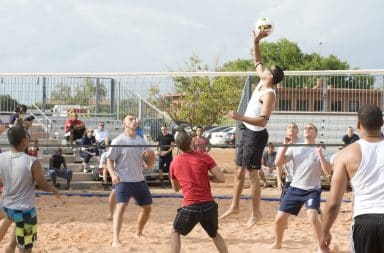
x=23 y=108
x=16 y=135
x=277 y=73
x=370 y=117
x=183 y=141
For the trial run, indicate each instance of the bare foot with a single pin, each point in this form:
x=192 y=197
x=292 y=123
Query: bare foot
x=116 y=244
x=276 y=246
x=229 y=212
x=140 y=236
x=253 y=220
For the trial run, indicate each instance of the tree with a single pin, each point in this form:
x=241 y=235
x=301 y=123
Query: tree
x=203 y=100
x=7 y=103
x=62 y=94
x=86 y=93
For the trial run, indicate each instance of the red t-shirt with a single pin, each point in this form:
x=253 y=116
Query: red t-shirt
x=191 y=171
x=200 y=144
x=69 y=122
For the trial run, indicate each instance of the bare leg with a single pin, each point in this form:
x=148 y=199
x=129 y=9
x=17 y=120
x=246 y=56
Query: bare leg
x=255 y=193
x=105 y=176
x=237 y=189
x=280 y=221
x=85 y=167
x=161 y=176
x=117 y=223
x=262 y=176
x=313 y=217
x=111 y=203
x=142 y=219
x=11 y=247
x=220 y=243
x=175 y=242
x=4 y=226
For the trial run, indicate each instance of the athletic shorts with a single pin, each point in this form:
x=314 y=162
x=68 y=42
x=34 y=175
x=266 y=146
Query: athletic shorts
x=204 y=213
x=251 y=148
x=26 y=226
x=164 y=163
x=65 y=173
x=284 y=190
x=294 y=199
x=138 y=190
x=368 y=233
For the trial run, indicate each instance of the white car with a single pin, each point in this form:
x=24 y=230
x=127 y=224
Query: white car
x=218 y=138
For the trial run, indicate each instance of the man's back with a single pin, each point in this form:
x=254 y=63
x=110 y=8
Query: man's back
x=191 y=171
x=16 y=175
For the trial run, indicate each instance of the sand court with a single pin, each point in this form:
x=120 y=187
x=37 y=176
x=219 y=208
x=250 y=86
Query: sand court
x=77 y=224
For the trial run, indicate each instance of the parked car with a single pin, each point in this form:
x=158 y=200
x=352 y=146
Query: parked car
x=230 y=137
x=218 y=138
x=207 y=133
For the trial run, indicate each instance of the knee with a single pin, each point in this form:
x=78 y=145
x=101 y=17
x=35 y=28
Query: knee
x=313 y=217
x=240 y=173
x=147 y=209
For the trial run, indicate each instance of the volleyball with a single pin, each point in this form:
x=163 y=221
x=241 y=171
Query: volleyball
x=264 y=24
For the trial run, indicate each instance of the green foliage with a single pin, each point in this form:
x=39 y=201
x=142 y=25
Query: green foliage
x=62 y=94
x=86 y=93
x=7 y=103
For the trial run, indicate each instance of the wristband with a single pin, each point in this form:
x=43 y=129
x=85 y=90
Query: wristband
x=258 y=63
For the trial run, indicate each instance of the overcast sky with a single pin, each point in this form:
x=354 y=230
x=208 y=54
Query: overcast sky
x=159 y=35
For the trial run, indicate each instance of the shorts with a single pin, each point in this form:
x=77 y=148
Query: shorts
x=138 y=190
x=204 y=213
x=284 y=190
x=368 y=233
x=251 y=148
x=164 y=163
x=294 y=198
x=65 y=173
x=26 y=226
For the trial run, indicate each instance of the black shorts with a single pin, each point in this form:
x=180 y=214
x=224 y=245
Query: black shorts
x=164 y=163
x=251 y=148
x=204 y=213
x=368 y=233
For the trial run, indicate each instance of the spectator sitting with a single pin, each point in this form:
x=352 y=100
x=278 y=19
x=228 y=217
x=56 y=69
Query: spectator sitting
x=88 y=152
x=268 y=164
x=58 y=168
x=34 y=150
x=350 y=137
x=74 y=128
x=101 y=134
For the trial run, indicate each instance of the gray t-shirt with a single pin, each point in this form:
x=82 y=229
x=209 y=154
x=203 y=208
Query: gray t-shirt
x=19 y=185
x=128 y=160
x=307 y=167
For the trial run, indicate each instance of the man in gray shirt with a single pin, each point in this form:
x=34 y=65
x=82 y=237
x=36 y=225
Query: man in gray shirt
x=125 y=165
x=305 y=188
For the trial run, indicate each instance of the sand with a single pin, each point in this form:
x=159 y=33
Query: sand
x=77 y=224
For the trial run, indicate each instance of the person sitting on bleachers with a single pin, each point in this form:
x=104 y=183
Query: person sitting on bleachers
x=350 y=137
x=101 y=134
x=268 y=169
x=74 y=128
x=88 y=152
x=58 y=168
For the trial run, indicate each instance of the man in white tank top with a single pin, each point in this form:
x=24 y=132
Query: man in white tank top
x=362 y=163
x=254 y=135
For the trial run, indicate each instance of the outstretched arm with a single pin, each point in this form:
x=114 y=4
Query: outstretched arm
x=256 y=51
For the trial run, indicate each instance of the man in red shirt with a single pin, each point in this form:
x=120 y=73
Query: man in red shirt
x=191 y=171
x=74 y=128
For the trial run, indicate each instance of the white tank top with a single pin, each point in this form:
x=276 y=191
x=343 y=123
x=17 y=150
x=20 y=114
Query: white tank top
x=19 y=185
x=254 y=106
x=368 y=182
